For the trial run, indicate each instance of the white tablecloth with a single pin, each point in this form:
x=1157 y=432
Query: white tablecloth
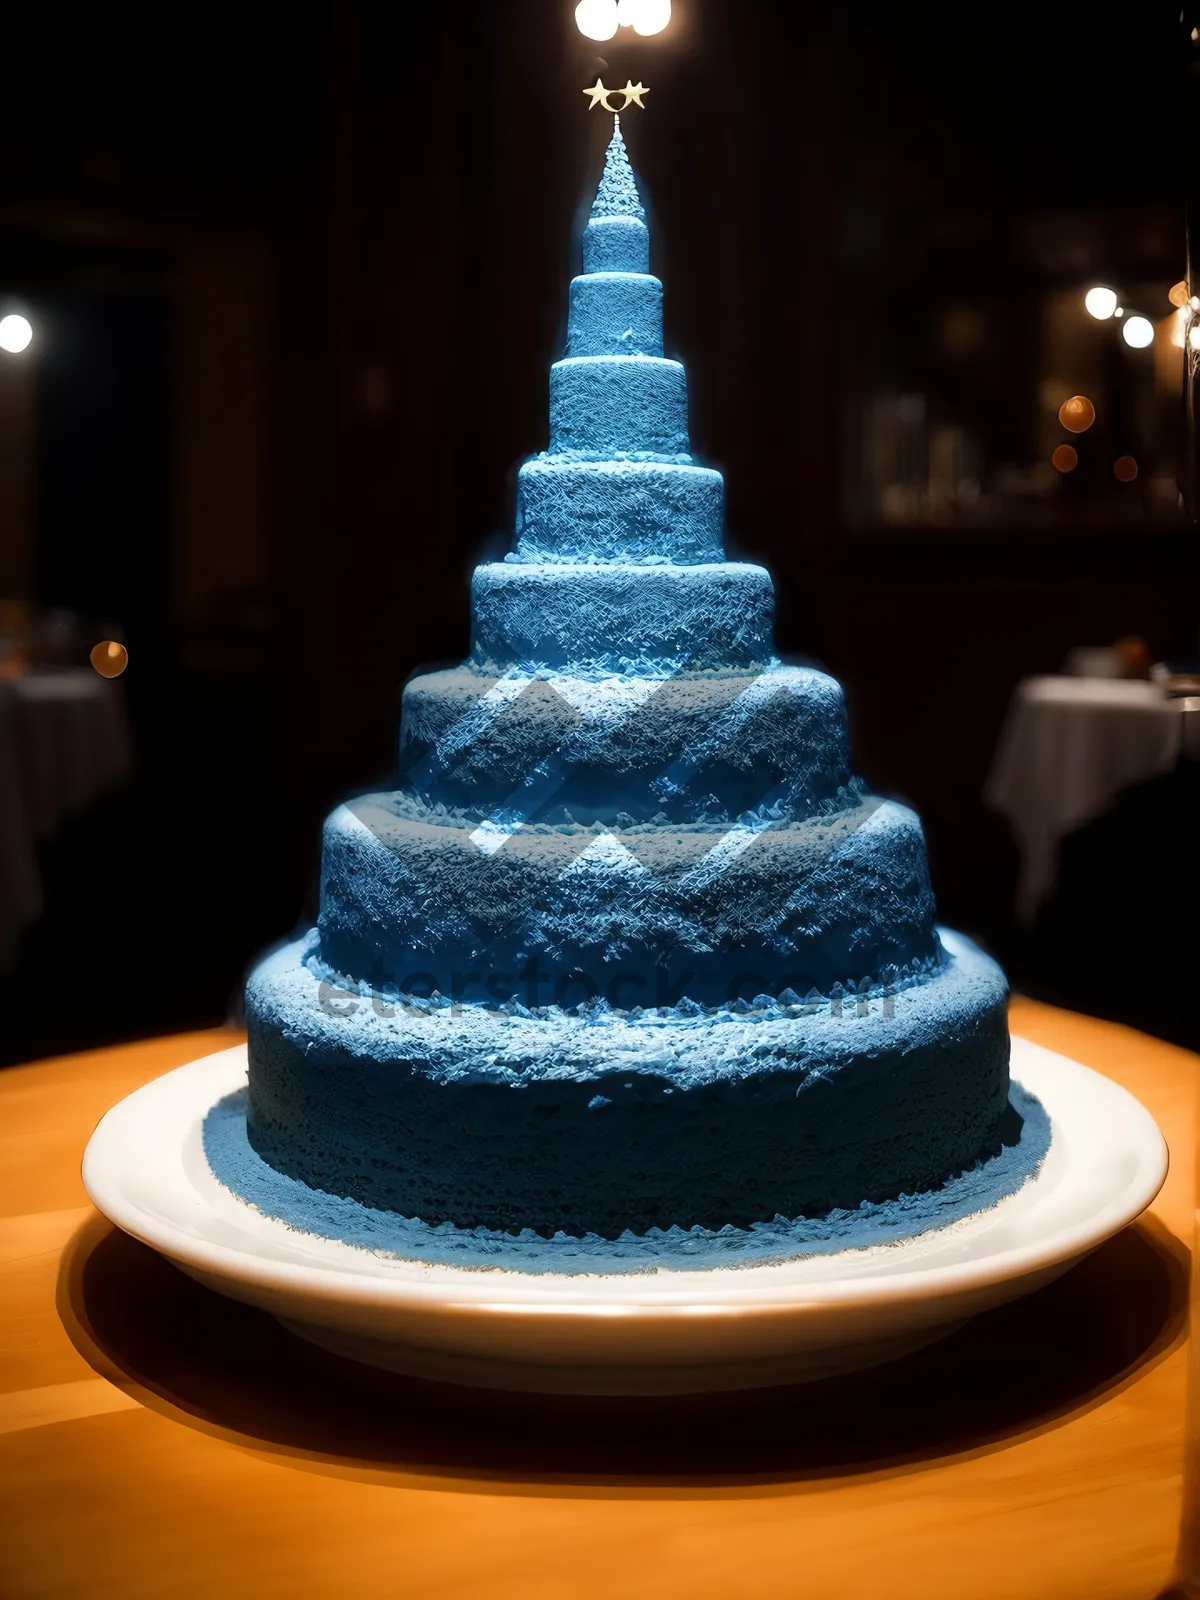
x=1067 y=750
x=64 y=740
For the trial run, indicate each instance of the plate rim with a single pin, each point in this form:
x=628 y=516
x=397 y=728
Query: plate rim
x=472 y=1292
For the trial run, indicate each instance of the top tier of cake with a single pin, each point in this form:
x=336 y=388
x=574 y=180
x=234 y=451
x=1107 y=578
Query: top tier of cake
x=617 y=485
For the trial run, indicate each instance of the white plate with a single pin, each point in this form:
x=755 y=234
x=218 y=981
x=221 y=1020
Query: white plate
x=661 y=1332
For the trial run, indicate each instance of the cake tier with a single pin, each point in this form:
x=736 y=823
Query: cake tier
x=618 y=405
x=611 y=618
x=615 y=314
x=637 y=916
x=586 y=1124
x=649 y=512
x=562 y=749
x=616 y=244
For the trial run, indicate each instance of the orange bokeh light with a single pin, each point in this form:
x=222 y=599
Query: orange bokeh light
x=1125 y=469
x=109 y=658
x=1177 y=294
x=1077 y=414
x=1065 y=458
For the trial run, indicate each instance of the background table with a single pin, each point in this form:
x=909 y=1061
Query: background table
x=1068 y=748
x=64 y=740
x=156 y=1440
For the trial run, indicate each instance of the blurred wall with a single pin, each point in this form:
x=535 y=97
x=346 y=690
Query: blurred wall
x=219 y=290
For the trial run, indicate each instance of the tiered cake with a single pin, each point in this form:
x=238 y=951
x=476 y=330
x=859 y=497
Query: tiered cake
x=629 y=949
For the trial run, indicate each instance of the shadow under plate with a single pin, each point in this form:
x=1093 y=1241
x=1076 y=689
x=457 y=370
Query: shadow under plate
x=223 y=1367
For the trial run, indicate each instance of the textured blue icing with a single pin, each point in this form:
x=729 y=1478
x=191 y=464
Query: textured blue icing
x=617 y=194
x=619 y=405
x=632 y=960
x=626 y=750
x=616 y=244
x=641 y=512
x=490 y=1119
x=983 y=1185
x=608 y=618
x=636 y=915
x=615 y=314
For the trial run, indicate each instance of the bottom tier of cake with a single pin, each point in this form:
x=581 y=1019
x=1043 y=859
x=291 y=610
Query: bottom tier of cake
x=606 y=1123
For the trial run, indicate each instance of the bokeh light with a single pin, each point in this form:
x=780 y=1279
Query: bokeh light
x=1125 y=469
x=644 y=16
x=1100 y=302
x=1065 y=458
x=1138 y=332
x=1177 y=294
x=596 y=19
x=16 y=333
x=109 y=658
x=1077 y=414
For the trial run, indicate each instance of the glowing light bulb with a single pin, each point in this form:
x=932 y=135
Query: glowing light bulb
x=1137 y=332
x=596 y=19
x=1100 y=302
x=1194 y=336
x=15 y=333
x=644 y=16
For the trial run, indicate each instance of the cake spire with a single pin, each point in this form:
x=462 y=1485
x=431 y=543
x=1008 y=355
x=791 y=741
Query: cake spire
x=617 y=195
x=616 y=238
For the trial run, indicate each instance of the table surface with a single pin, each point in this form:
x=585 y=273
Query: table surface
x=156 y=1440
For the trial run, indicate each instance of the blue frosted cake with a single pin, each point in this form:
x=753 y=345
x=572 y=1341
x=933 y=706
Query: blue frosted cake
x=629 y=951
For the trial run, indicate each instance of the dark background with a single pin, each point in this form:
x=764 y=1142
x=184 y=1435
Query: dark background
x=298 y=275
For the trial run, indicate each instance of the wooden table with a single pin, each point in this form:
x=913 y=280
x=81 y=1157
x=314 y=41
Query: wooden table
x=156 y=1440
